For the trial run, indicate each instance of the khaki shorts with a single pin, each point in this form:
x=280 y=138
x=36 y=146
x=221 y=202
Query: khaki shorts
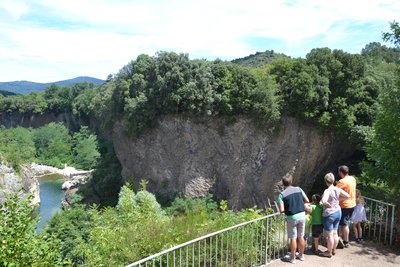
x=295 y=228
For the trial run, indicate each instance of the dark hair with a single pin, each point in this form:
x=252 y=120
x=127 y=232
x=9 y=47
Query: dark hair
x=343 y=169
x=316 y=197
x=287 y=180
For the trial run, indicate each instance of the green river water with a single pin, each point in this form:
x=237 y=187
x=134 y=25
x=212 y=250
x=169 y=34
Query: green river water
x=51 y=196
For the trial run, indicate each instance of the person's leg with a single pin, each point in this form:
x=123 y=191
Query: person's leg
x=293 y=247
x=335 y=241
x=337 y=217
x=292 y=235
x=316 y=244
x=360 y=234
x=355 y=229
x=344 y=223
x=300 y=236
x=330 y=242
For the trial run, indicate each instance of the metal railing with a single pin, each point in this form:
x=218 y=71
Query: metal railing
x=380 y=221
x=251 y=243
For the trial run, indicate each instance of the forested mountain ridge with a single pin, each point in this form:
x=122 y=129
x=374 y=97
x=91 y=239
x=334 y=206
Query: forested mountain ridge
x=258 y=59
x=26 y=87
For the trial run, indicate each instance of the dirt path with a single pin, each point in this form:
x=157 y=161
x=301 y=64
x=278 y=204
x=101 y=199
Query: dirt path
x=367 y=254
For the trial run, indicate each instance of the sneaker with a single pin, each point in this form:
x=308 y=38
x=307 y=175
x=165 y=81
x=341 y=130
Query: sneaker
x=300 y=257
x=288 y=258
x=346 y=244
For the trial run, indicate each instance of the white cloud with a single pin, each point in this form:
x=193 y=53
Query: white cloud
x=107 y=34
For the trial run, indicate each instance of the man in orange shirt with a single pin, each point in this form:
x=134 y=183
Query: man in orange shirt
x=348 y=184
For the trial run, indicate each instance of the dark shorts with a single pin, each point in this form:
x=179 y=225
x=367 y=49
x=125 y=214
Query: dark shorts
x=346 y=216
x=317 y=230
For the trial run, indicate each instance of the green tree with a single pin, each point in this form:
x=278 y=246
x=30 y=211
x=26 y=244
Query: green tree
x=394 y=34
x=85 y=149
x=384 y=149
x=17 y=146
x=53 y=144
x=19 y=244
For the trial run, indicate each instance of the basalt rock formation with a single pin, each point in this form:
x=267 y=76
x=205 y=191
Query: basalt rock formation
x=238 y=162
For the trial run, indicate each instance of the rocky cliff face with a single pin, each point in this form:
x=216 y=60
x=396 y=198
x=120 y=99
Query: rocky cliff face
x=238 y=162
x=22 y=183
x=15 y=119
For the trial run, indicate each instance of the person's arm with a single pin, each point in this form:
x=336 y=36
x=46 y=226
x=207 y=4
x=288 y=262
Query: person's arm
x=280 y=203
x=305 y=198
x=324 y=200
x=343 y=194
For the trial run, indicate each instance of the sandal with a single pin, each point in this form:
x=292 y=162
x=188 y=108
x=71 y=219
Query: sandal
x=325 y=254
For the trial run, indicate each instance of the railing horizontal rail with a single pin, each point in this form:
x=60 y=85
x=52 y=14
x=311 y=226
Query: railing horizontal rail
x=379 y=201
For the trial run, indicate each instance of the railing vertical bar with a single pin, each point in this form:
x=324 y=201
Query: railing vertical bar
x=233 y=246
x=167 y=260
x=266 y=241
x=205 y=252
x=252 y=244
x=370 y=219
x=198 y=256
x=180 y=257
x=243 y=254
x=380 y=223
x=211 y=251
x=386 y=223
x=227 y=247
x=216 y=250
x=174 y=258
x=247 y=246
x=222 y=249
x=187 y=256
x=391 y=226
x=376 y=211
x=154 y=261
x=161 y=261
x=256 y=244
x=193 y=255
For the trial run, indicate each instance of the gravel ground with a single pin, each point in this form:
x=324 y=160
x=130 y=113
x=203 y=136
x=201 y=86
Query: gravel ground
x=365 y=254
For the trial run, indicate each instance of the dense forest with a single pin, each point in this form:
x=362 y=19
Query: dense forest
x=353 y=95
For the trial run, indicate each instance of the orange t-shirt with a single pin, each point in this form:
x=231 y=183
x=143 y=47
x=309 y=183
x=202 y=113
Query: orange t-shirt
x=348 y=184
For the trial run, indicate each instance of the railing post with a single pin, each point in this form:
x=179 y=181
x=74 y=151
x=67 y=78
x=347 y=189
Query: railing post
x=392 y=224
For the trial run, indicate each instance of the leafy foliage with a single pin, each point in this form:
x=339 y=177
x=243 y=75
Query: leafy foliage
x=19 y=244
x=383 y=151
x=51 y=144
x=16 y=146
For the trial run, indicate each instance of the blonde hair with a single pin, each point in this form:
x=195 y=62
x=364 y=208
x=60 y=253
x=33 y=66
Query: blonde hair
x=308 y=208
x=329 y=178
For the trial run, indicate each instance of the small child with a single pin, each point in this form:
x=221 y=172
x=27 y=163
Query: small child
x=359 y=215
x=307 y=229
x=316 y=221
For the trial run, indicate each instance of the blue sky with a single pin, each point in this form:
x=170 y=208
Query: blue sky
x=50 y=40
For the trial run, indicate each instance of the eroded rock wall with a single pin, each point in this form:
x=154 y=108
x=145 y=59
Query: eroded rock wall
x=238 y=162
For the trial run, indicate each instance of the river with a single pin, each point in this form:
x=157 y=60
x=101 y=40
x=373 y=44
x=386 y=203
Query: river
x=51 y=196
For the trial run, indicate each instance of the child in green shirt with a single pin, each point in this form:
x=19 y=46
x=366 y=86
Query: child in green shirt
x=316 y=221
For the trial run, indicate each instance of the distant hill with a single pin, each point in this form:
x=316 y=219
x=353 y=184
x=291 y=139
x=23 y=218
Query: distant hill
x=25 y=87
x=258 y=59
x=6 y=93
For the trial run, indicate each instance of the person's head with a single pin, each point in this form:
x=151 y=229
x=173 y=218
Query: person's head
x=358 y=193
x=329 y=179
x=308 y=208
x=287 y=180
x=316 y=199
x=343 y=171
